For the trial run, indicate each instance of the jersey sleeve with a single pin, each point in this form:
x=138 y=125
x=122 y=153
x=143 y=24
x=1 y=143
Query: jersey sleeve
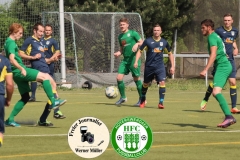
x=55 y=46
x=26 y=46
x=236 y=35
x=212 y=41
x=11 y=48
x=167 y=49
x=144 y=45
x=8 y=65
x=136 y=36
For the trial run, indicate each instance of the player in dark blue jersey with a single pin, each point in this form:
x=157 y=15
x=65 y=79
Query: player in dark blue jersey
x=33 y=46
x=5 y=76
x=228 y=34
x=52 y=54
x=154 y=65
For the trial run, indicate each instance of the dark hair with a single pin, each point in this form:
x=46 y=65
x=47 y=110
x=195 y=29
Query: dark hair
x=124 y=20
x=227 y=15
x=208 y=22
x=49 y=25
x=156 y=25
x=35 y=27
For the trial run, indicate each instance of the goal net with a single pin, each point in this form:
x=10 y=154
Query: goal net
x=90 y=42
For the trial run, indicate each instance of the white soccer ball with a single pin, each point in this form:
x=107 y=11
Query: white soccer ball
x=111 y=92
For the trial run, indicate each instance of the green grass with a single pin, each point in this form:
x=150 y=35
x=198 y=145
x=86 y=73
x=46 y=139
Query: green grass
x=181 y=130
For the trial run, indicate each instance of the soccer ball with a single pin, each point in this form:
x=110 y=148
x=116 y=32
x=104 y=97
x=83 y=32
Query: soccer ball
x=111 y=92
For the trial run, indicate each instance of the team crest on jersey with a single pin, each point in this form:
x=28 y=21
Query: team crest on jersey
x=123 y=42
x=128 y=34
x=232 y=33
x=47 y=42
x=161 y=43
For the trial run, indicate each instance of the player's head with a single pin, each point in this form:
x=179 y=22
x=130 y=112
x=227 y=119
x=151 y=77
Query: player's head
x=48 y=30
x=157 y=30
x=16 y=31
x=207 y=27
x=123 y=23
x=228 y=20
x=38 y=30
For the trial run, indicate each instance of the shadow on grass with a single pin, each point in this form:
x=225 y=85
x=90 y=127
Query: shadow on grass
x=124 y=105
x=199 y=111
x=190 y=125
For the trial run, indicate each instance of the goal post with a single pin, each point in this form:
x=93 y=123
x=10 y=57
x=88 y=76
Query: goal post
x=91 y=38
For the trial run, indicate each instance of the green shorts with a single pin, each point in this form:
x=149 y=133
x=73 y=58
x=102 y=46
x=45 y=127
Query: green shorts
x=23 y=82
x=221 y=75
x=126 y=67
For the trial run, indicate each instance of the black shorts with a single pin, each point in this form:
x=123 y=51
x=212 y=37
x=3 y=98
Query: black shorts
x=158 y=72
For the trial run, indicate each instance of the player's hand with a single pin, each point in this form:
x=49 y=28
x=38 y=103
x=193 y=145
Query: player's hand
x=172 y=70
x=135 y=65
x=117 y=54
x=7 y=102
x=23 y=72
x=135 y=47
x=203 y=73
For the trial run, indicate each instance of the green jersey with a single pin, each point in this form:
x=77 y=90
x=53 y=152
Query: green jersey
x=127 y=41
x=215 y=40
x=11 y=47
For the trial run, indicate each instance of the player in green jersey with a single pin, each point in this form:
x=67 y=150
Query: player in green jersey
x=129 y=41
x=222 y=67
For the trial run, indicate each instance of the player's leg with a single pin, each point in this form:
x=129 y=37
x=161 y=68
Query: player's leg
x=219 y=81
x=233 y=88
x=33 y=90
x=160 y=77
x=122 y=70
x=207 y=94
x=2 y=128
x=148 y=76
x=56 y=113
x=136 y=77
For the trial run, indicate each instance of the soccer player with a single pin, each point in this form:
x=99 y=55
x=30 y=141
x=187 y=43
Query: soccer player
x=228 y=35
x=154 y=65
x=5 y=76
x=52 y=54
x=129 y=41
x=222 y=68
x=23 y=75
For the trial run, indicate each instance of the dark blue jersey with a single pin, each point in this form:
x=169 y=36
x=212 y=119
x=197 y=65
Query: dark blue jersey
x=33 y=46
x=155 y=50
x=228 y=37
x=5 y=69
x=50 y=46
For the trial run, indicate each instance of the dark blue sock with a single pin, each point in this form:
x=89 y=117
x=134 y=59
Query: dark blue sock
x=233 y=95
x=33 y=89
x=45 y=113
x=162 y=91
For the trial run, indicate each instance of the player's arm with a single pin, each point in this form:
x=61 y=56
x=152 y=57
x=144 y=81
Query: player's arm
x=235 y=49
x=9 y=84
x=211 y=59
x=57 y=54
x=118 y=53
x=139 y=52
x=139 y=40
x=24 y=52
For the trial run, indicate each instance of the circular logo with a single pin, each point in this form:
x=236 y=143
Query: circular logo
x=131 y=137
x=88 y=137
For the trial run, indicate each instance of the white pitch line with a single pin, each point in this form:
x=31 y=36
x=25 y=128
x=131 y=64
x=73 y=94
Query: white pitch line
x=166 y=132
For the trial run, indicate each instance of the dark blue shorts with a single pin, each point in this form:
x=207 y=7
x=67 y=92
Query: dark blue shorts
x=150 y=72
x=44 y=69
x=232 y=74
x=2 y=103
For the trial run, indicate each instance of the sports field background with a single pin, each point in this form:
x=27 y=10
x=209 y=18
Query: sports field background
x=180 y=132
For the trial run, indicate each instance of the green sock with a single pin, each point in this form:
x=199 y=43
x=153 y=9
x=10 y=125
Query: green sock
x=121 y=88
x=16 y=109
x=223 y=104
x=48 y=90
x=139 y=87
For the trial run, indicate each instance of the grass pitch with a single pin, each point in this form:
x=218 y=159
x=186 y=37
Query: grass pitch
x=180 y=131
